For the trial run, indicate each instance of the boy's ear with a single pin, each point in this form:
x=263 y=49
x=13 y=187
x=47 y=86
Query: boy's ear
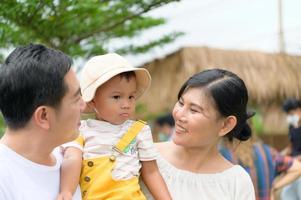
x=89 y=107
x=227 y=125
x=41 y=117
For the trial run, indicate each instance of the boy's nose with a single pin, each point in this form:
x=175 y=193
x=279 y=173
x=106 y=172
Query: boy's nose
x=126 y=104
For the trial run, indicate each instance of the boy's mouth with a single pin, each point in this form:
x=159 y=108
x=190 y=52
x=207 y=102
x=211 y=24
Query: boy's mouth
x=125 y=114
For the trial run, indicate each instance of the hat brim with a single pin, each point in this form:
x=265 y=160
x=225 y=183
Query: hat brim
x=143 y=80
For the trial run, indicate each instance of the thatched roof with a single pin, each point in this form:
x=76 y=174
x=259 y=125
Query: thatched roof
x=270 y=78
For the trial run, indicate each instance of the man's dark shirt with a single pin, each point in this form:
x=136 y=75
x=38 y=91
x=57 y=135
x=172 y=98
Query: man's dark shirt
x=295 y=138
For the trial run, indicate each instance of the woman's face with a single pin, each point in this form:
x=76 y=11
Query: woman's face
x=197 y=122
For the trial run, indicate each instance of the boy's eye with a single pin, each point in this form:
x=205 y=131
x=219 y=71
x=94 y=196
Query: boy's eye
x=116 y=97
x=180 y=103
x=131 y=97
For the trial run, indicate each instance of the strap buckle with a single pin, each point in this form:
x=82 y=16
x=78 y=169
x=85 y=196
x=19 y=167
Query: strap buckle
x=116 y=149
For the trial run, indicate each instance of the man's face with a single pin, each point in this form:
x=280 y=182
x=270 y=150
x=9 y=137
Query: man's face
x=66 y=120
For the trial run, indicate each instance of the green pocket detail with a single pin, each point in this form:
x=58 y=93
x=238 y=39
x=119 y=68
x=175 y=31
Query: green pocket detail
x=128 y=148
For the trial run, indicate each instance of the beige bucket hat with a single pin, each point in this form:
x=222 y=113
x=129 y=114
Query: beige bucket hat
x=100 y=69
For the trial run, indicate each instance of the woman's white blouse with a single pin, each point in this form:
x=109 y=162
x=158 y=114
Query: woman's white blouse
x=231 y=184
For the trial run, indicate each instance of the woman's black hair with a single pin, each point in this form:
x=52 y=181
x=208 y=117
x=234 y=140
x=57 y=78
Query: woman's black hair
x=229 y=94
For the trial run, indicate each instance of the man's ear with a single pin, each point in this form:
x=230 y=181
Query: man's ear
x=227 y=125
x=41 y=117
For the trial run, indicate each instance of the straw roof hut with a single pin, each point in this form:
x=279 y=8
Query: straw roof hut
x=270 y=78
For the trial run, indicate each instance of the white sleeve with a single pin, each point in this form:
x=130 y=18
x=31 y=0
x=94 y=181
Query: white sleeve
x=145 y=145
x=3 y=195
x=6 y=188
x=244 y=188
x=77 y=143
x=72 y=144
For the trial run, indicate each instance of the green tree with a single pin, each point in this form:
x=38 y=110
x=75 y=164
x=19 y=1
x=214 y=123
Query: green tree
x=80 y=27
x=2 y=126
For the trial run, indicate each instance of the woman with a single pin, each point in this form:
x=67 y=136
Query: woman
x=211 y=105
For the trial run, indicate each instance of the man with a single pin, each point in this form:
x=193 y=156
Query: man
x=41 y=104
x=292 y=107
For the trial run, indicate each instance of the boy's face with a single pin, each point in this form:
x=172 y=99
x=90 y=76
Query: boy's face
x=115 y=100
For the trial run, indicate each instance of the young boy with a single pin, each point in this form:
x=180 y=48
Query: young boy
x=113 y=149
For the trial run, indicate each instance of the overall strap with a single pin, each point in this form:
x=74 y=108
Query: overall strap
x=80 y=140
x=127 y=138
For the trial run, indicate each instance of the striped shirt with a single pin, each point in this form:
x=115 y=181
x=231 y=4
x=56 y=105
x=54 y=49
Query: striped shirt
x=101 y=136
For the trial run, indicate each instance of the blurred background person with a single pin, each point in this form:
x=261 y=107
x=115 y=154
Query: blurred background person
x=292 y=108
x=164 y=126
x=263 y=163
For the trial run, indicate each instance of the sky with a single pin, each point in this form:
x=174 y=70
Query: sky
x=225 y=24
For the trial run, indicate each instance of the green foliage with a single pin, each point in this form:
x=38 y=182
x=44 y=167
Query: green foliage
x=257 y=123
x=2 y=125
x=77 y=27
x=141 y=109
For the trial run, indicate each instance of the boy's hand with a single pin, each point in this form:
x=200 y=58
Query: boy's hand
x=65 y=196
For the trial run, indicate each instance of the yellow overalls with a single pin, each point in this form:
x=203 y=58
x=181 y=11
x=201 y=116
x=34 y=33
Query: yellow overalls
x=96 y=180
